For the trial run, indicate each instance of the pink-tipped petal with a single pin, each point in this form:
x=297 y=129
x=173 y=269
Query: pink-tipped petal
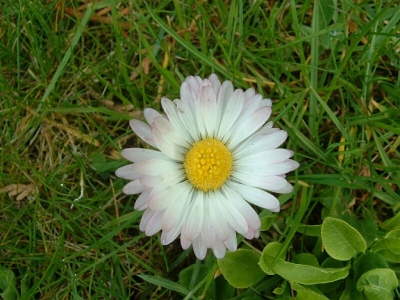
x=133 y=187
x=127 y=172
x=143 y=131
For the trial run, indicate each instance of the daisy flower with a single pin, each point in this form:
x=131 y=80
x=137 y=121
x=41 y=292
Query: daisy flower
x=214 y=155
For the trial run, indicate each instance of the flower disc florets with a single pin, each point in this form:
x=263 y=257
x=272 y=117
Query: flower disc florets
x=208 y=164
x=215 y=155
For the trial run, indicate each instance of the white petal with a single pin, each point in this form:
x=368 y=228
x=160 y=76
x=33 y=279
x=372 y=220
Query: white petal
x=188 y=93
x=168 y=147
x=230 y=114
x=151 y=181
x=154 y=224
x=147 y=215
x=150 y=114
x=251 y=105
x=215 y=83
x=264 y=182
x=170 y=236
x=188 y=119
x=200 y=250
x=252 y=234
x=264 y=158
x=143 y=131
x=267 y=102
x=127 y=172
x=271 y=170
x=207 y=232
x=231 y=242
x=173 y=177
x=219 y=249
x=261 y=142
x=133 y=187
x=178 y=210
x=160 y=199
x=142 y=201
x=243 y=207
x=246 y=127
x=139 y=154
x=156 y=167
x=194 y=83
x=207 y=111
x=224 y=96
x=231 y=214
x=185 y=243
x=249 y=93
x=286 y=190
x=172 y=111
x=256 y=196
x=219 y=224
x=195 y=218
x=169 y=132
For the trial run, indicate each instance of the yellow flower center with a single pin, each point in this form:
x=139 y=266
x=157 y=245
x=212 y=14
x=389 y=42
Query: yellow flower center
x=208 y=164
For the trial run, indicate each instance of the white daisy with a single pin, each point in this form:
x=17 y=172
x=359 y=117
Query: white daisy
x=214 y=156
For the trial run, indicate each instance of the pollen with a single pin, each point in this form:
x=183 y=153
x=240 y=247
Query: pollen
x=208 y=164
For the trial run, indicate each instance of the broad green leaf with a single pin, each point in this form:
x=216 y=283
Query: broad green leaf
x=368 y=261
x=266 y=222
x=8 y=287
x=310 y=230
x=241 y=268
x=378 y=284
x=273 y=249
x=165 y=283
x=302 y=274
x=351 y=292
x=341 y=241
x=395 y=234
x=305 y=259
x=281 y=289
x=389 y=248
x=366 y=226
x=393 y=223
x=306 y=294
x=330 y=287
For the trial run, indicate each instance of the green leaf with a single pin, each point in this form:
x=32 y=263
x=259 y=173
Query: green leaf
x=330 y=287
x=273 y=249
x=393 y=223
x=241 y=268
x=389 y=248
x=367 y=262
x=302 y=274
x=395 y=234
x=366 y=226
x=378 y=284
x=306 y=259
x=306 y=294
x=351 y=292
x=266 y=222
x=165 y=283
x=341 y=241
x=8 y=288
x=327 y=8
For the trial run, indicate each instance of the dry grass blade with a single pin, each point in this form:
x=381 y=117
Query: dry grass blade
x=20 y=190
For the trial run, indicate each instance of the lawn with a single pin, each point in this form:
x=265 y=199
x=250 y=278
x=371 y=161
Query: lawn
x=74 y=74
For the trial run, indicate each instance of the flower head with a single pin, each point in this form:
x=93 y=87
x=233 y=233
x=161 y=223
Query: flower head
x=214 y=155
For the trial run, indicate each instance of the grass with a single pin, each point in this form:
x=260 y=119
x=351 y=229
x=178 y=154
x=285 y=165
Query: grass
x=72 y=77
